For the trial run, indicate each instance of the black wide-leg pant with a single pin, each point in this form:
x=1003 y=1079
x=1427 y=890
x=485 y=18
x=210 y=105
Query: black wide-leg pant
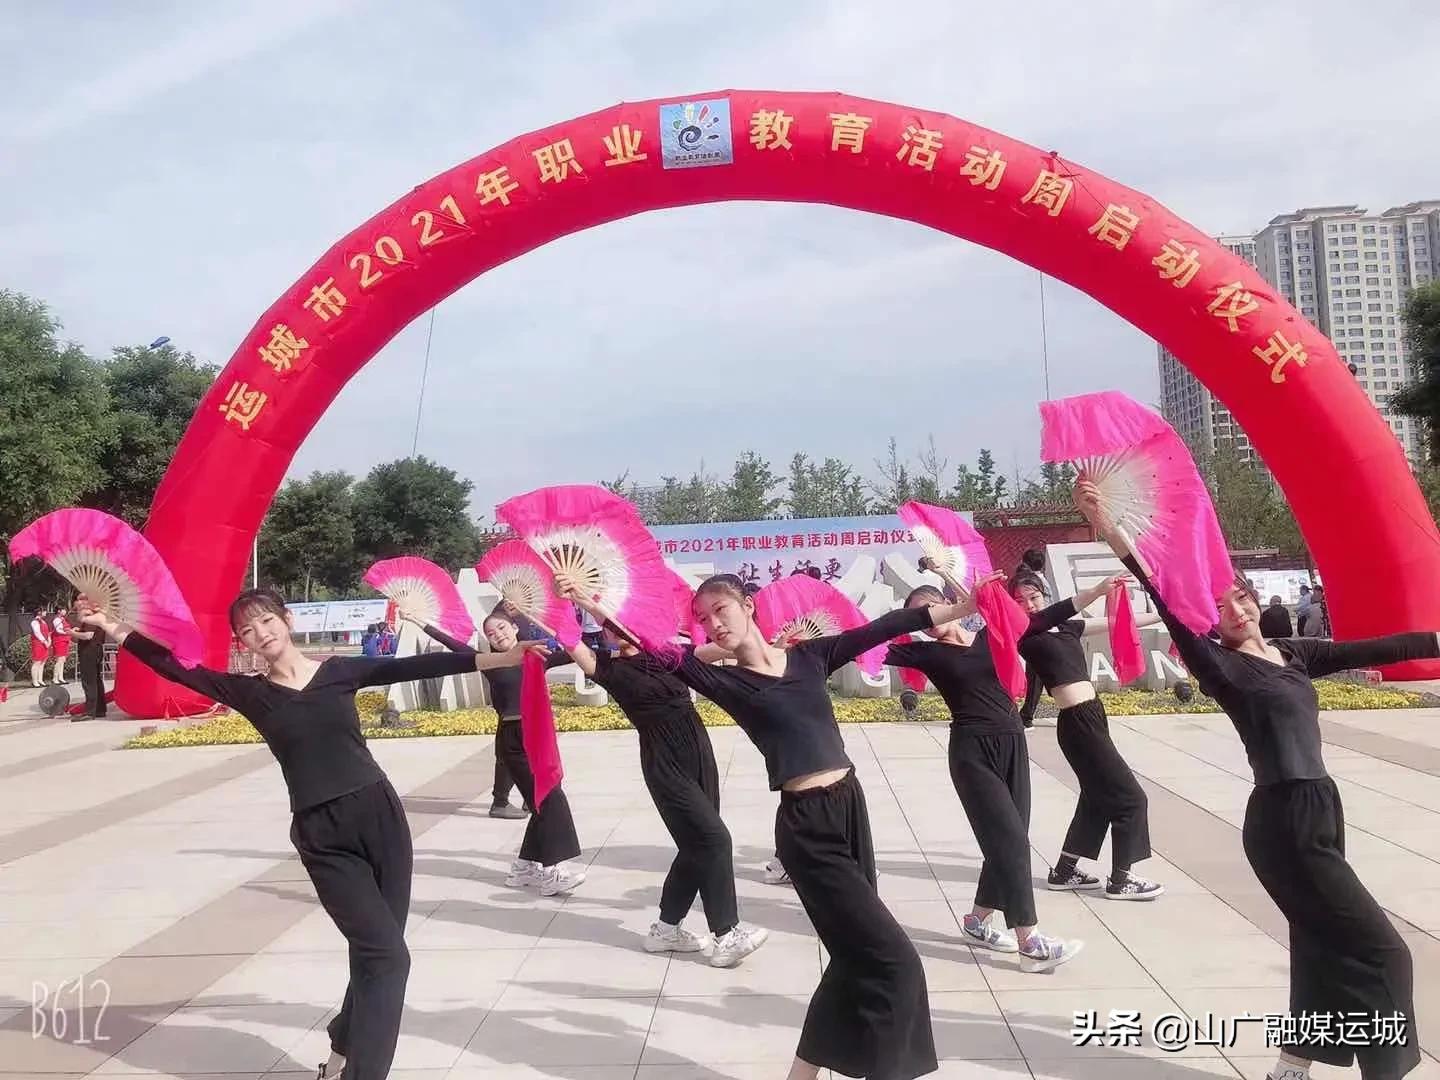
x=870 y=1015
x=991 y=774
x=550 y=836
x=503 y=785
x=1110 y=796
x=678 y=764
x=1345 y=955
x=358 y=854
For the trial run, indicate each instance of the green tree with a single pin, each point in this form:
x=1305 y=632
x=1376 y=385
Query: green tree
x=1252 y=511
x=687 y=502
x=747 y=497
x=983 y=489
x=415 y=507
x=1420 y=398
x=831 y=489
x=52 y=429
x=1054 y=485
x=307 y=542
x=153 y=393
x=895 y=487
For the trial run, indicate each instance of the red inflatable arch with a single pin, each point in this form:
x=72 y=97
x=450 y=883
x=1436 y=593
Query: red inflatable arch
x=1334 y=456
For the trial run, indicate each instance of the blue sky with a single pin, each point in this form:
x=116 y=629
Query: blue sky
x=170 y=168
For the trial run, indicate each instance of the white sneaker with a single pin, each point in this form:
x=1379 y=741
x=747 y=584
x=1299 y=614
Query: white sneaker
x=523 y=874
x=558 y=881
x=735 y=946
x=775 y=874
x=666 y=938
x=1041 y=953
x=988 y=937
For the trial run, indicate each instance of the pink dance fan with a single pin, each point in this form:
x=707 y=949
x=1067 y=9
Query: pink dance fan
x=112 y=564
x=948 y=540
x=799 y=608
x=598 y=539
x=685 y=609
x=1151 y=490
x=525 y=581
x=1124 y=636
x=422 y=590
x=537 y=728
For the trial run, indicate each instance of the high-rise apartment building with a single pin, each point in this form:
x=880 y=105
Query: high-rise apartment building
x=1347 y=271
x=1188 y=406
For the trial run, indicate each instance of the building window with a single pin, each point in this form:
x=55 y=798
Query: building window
x=1335 y=279
x=1370 y=242
x=1348 y=227
x=1352 y=292
x=1372 y=307
x=1352 y=266
x=1333 y=228
x=1368 y=229
x=1372 y=268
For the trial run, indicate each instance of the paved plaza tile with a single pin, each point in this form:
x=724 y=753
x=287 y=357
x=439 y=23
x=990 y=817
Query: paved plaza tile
x=163 y=885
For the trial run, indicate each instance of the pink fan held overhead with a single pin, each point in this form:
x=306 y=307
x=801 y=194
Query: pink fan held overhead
x=422 y=590
x=1149 y=487
x=799 y=608
x=599 y=540
x=113 y=565
x=948 y=541
x=525 y=581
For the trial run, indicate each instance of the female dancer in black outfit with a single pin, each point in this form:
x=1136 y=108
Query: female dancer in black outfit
x=550 y=837
x=990 y=768
x=870 y=1015
x=1345 y=956
x=348 y=826
x=678 y=764
x=1110 y=796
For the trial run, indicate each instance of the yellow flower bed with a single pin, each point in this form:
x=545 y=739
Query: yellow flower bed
x=232 y=728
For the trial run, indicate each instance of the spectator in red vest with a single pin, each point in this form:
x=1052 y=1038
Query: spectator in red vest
x=40 y=632
x=60 y=645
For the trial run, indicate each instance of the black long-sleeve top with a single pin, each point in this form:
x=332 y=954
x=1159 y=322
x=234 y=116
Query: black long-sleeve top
x=965 y=676
x=647 y=692
x=504 y=682
x=313 y=732
x=789 y=717
x=1274 y=707
x=1051 y=646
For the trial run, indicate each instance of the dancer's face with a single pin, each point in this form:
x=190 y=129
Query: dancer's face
x=263 y=632
x=502 y=634
x=1029 y=599
x=725 y=615
x=1239 y=616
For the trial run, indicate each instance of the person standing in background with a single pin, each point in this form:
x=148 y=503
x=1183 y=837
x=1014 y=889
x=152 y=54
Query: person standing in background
x=90 y=661
x=1275 y=620
x=1302 y=610
x=40 y=633
x=60 y=631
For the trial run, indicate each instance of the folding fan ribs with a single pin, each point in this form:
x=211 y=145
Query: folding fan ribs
x=599 y=540
x=423 y=590
x=115 y=567
x=1150 y=489
x=525 y=580
x=799 y=608
x=948 y=541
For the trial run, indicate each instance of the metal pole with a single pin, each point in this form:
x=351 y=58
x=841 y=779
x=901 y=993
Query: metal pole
x=1044 y=340
x=424 y=375
x=255 y=564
